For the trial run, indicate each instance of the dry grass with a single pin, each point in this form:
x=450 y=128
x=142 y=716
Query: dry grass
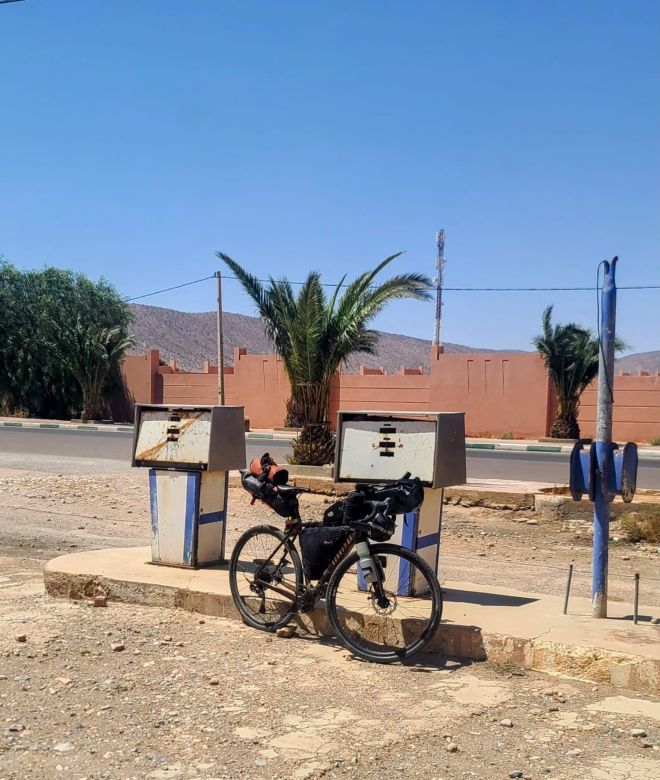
x=641 y=526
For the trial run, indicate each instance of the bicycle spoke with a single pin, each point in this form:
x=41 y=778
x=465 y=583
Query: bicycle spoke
x=265 y=578
x=396 y=623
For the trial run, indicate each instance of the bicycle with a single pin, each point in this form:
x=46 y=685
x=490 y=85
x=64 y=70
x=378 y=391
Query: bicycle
x=366 y=591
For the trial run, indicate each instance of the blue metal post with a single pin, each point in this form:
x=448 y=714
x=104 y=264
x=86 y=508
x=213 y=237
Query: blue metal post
x=602 y=492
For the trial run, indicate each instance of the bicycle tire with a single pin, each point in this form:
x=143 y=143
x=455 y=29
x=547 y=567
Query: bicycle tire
x=248 y=615
x=394 y=654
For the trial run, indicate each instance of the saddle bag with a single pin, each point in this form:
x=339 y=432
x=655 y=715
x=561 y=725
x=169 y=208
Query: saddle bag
x=319 y=545
x=284 y=505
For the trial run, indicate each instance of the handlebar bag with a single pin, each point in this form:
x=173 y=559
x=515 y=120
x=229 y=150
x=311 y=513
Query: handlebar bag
x=381 y=528
x=406 y=496
x=319 y=546
x=353 y=508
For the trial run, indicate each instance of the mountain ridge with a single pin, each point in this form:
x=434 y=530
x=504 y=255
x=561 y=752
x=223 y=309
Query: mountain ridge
x=190 y=339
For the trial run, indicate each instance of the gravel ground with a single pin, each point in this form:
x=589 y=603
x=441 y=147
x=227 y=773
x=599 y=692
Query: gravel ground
x=191 y=698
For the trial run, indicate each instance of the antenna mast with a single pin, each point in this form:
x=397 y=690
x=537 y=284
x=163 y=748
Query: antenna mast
x=439 y=283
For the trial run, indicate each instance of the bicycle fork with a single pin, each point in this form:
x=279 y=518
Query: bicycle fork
x=372 y=571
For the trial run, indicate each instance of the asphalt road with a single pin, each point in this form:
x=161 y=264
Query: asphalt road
x=481 y=464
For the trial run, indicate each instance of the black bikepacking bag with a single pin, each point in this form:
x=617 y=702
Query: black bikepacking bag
x=269 y=494
x=353 y=508
x=319 y=545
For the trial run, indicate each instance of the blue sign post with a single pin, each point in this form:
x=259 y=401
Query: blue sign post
x=603 y=471
x=604 y=450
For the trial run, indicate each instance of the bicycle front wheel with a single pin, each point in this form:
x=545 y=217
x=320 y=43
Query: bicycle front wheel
x=265 y=576
x=394 y=625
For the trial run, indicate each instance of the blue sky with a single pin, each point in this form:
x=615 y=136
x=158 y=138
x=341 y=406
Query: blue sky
x=139 y=137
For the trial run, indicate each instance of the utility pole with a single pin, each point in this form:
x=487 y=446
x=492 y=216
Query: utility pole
x=221 y=348
x=439 y=283
x=604 y=473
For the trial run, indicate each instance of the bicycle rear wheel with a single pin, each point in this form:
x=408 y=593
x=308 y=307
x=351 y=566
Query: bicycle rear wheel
x=265 y=576
x=395 y=626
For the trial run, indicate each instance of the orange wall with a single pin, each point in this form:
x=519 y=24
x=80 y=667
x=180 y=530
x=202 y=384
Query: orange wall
x=499 y=392
x=139 y=373
x=258 y=383
x=395 y=392
x=636 y=413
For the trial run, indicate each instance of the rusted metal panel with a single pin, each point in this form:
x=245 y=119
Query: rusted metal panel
x=381 y=446
x=192 y=437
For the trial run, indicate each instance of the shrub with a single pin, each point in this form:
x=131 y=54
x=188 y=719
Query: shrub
x=641 y=526
x=655 y=442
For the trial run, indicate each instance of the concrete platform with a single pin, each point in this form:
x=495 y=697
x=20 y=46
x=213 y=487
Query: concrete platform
x=504 y=626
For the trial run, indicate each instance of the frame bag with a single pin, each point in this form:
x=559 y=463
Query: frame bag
x=319 y=546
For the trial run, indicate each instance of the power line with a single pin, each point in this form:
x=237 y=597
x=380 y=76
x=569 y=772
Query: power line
x=168 y=289
x=446 y=289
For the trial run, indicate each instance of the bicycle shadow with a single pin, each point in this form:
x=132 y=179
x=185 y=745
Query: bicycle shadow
x=315 y=627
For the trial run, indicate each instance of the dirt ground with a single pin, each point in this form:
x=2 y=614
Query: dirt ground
x=209 y=698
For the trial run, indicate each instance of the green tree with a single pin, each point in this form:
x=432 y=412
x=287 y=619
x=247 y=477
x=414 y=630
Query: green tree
x=570 y=353
x=90 y=352
x=40 y=310
x=314 y=334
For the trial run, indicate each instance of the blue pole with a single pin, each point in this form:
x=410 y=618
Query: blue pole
x=604 y=441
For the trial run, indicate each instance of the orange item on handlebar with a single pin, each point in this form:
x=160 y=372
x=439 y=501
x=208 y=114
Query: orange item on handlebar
x=266 y=470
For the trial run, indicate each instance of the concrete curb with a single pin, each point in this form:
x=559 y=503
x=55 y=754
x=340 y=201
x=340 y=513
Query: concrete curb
x=644 y=452
x=126 y=428
x=70 y=426
x=585 y=662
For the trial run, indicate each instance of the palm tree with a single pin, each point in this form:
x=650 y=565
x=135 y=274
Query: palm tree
x=314 y=334
x=570 y=353
x=90 y=352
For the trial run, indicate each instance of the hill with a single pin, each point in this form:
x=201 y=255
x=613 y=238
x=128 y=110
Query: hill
x=190 y=339
x=640 y=361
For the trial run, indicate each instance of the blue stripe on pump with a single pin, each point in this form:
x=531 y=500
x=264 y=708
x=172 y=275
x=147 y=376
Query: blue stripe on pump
x=428 y=540
x=188 y=534
x=212 y=517
x=407 y=541
x=153 y=504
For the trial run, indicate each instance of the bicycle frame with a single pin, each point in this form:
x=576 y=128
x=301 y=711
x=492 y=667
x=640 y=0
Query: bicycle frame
x=312 y=592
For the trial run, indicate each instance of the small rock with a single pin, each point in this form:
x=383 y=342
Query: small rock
x=17 y=727
x=63 y=747
x=452 y=747
x=259 y=761
x=507 y=722
x=637 y=733
x=549 y=692
x=117 y=647
x=575 y=752
x=516 y=773
x=286 y=632
x=100 y=601
x=646 y=744
x=214 y=681
x=655 y=621
x=21 y=637
x=532 y=522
